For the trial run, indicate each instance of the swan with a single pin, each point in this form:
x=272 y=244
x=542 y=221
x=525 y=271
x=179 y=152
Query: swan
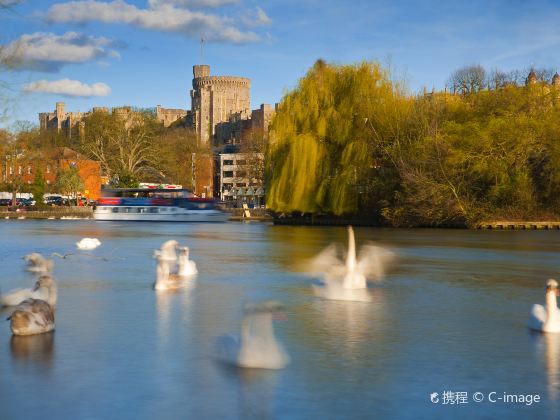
x=37 y=263
x=88 y=243
x=168 y=251
x=186 y=267
x=256 y=347
x=354 y=271
x=546 y=318
x=32 y=316
x=165 y=280
x=45 y=289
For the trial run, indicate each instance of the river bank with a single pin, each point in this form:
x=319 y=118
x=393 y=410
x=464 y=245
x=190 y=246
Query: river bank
x=62 y=212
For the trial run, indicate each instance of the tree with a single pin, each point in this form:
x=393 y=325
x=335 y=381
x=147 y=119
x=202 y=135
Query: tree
x=254 y=148
x=468 y=80
x=330 y=140
x=173 y=162
x=69 y=183
x=122 y=143
x=38 y=187
x=9 y=60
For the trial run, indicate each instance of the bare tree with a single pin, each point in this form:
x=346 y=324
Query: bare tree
x=468 y=79
x=253 y=147
x=498 y=79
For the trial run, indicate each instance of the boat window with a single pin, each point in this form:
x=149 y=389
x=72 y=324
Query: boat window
x=115 y=209
x=154 y=209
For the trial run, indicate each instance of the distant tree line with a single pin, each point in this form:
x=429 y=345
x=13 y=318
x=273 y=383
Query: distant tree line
x=350 y=140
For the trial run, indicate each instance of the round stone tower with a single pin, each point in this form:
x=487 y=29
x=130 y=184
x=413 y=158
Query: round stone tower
x=531 y=78
x=556 y=80
x=215 y=99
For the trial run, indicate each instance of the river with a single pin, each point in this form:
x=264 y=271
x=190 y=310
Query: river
x=449 y=319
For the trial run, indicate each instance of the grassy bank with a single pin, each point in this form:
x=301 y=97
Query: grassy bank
x=63 y=212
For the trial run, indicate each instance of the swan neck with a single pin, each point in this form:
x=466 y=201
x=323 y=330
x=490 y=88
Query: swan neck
x=162 y=272
x=351 y=257
x=256 y=326
x=551 y=306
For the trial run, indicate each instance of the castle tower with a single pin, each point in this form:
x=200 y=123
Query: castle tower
x=215 y=98
x=556 y=80
x=531 y=78
x=60 y=114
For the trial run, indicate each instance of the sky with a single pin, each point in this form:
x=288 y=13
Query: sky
x=141 y=52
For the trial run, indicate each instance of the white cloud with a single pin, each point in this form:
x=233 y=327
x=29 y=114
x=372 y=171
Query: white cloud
x=45 y=51
x=192 y=3
x=257 y=18
x=67 y=87
x=159 y=16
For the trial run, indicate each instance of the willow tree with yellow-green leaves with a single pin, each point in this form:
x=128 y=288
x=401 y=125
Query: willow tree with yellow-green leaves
x=331 y=137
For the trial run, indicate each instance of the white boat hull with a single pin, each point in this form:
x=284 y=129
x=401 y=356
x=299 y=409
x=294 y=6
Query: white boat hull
x=158 y=214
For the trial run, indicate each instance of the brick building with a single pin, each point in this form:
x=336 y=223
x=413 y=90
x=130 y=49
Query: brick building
x=22 y=166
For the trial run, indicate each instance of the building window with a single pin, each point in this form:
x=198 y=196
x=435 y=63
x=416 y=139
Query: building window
x=228 y=162
x=228 y=174
x=29 y=169
x=241 y=174
x=11 y=170
x=19 y=170
x=242 y=162
x=48 y=169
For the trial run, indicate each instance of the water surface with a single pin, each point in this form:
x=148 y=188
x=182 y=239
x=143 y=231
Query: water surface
x=450 y=316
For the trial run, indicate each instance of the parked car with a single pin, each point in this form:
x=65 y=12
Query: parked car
x=26 y=202
x=5 y=201
x=55 y=200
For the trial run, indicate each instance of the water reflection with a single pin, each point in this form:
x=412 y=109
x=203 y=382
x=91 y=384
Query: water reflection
x=549 y=345
x=165 y=303
x=256 y=393
x=335 y=291
x=348 y=326
x=37 y=348
x=256 y=390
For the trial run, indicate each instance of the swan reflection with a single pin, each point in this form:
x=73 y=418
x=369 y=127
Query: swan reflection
x=256 y=393
x=38 y=348
x=348 y=325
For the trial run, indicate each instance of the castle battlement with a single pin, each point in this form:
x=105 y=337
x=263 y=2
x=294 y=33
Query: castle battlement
x=201 y=82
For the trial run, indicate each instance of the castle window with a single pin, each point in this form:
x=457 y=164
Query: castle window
x=48 y=169
x=29 y=170
x=11 y=170
x=20 y=170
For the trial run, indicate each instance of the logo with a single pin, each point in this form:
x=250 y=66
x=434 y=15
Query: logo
x=434 y=397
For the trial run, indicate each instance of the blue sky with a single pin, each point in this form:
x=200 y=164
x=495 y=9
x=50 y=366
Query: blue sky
x=141 y=53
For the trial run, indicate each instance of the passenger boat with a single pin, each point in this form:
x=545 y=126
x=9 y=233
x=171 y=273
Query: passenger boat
x=156 y=205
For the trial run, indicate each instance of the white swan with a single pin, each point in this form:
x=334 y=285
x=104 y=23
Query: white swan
x=167 y=252
x=32 y=316
x=257 y=346
x=44 y=289
x=353 y=272
x=186 y=267
x=37 y=263
x=546 y=318
x=88 y=243
x=165 y=280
